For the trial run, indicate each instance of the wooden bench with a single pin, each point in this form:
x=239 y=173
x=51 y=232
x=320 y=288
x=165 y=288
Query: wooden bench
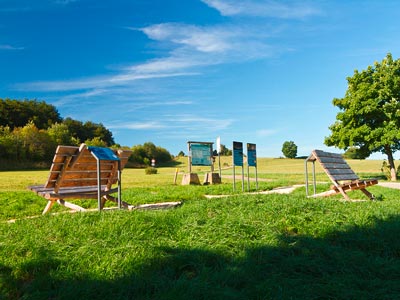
x=339 y=172
x=74 y=175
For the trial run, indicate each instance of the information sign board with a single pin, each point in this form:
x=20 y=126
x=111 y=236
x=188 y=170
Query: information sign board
x=201 y=154
x=238 y=154
x=251 y=155
x=103 y=153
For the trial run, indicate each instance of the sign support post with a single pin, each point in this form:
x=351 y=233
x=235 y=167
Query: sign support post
x=238 y=161
x=106 y=154
x=251 y=162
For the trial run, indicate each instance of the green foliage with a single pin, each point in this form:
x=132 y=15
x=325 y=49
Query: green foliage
x=60 y=134
x=87 y=131
x=386 y=170
x=355 y=153
x=224 y=151
x=15 y=113
x=369 y=116
x=96 y=141
x=289 y=149
x=143 y=154
x=181 y=153
x=150 y=171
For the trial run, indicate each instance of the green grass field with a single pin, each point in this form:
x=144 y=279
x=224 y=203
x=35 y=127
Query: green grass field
x=244 y=246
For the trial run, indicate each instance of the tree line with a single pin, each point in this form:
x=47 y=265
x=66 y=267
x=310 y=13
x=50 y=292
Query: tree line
x=31 y=130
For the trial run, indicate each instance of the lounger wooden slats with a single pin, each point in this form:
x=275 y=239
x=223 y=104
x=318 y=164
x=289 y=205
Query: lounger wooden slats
x=73 y=175
x=339 y=172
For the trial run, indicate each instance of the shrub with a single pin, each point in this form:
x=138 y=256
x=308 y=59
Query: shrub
x=150 y=170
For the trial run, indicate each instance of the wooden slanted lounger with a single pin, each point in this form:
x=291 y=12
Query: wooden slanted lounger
x=339 y=172
x=74 y=175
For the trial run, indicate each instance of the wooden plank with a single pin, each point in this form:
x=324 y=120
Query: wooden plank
x=341 y=171
x=335 y=166
x=70 y=205
x=361 y=184
x=320 y=153
x=331 y=160
x=76 y=194
x=344 y=177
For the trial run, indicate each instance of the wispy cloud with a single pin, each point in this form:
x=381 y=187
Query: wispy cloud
x=146 y=125
x=202 y=39
x=263 y=8
x=64 y=2
x=188 y=122
x=265 y=132
x=10 y=47
x=96 y=82
x=29 y=5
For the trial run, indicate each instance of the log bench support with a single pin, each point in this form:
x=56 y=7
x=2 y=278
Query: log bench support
x=339 y=172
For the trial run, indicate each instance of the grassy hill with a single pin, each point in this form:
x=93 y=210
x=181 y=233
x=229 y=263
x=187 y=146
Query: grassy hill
x=245 y=246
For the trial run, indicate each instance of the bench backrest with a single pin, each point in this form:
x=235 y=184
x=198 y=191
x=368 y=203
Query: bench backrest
x=77 y=167
x=334 y=165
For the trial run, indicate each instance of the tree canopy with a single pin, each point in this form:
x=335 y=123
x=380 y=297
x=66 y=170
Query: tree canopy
x=143 y=154
x=369 y=116
x=16 y=113
x=289 y=149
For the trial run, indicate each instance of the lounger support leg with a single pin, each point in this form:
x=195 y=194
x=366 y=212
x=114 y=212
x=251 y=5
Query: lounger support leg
x=368 y=194
x=70 y=205
x=48 y=206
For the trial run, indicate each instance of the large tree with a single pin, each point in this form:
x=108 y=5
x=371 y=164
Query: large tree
x=369 y=116
x=289 y=149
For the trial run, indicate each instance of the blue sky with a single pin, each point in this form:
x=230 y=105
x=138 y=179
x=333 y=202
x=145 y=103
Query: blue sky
x=172 y=71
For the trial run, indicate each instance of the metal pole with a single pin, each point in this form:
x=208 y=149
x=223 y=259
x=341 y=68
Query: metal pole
x=98 y=184
x=242 y=178
x=313 y=173
x=189 y=159
x=248 y=178
x=219 y=166
x=234 y=167
x=306 y=172
x=256 y=178
x=119 y=184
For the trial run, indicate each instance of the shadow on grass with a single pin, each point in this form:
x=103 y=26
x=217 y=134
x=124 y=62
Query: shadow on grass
x=359 y=263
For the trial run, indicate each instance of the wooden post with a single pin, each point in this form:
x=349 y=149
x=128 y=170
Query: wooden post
x=176 y=175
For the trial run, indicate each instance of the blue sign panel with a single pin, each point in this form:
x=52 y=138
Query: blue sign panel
x=103 y=153
x=251 y=155
x=238 y=154
x=201 y=154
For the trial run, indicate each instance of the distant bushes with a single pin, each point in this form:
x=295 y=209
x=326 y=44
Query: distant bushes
x=142 y=155
x=150 y=171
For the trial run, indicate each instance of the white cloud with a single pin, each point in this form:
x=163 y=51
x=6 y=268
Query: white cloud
x=10 y=47
x=169 y=123
x=203 y=39
x=64 y=2
x=100 y=82
x=263 y=8
x=194 y=121
x=138 y=125
x=265 y=132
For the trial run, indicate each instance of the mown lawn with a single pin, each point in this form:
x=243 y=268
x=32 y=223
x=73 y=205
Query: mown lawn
x=237 y=247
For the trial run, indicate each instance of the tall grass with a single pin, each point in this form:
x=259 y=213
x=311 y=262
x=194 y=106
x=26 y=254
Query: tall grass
x=245 y=246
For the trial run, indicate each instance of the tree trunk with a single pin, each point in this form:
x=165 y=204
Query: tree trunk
x=389 y=153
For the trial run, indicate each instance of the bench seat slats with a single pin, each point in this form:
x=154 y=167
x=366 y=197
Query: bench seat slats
x=73 y=175
x=340 y=173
